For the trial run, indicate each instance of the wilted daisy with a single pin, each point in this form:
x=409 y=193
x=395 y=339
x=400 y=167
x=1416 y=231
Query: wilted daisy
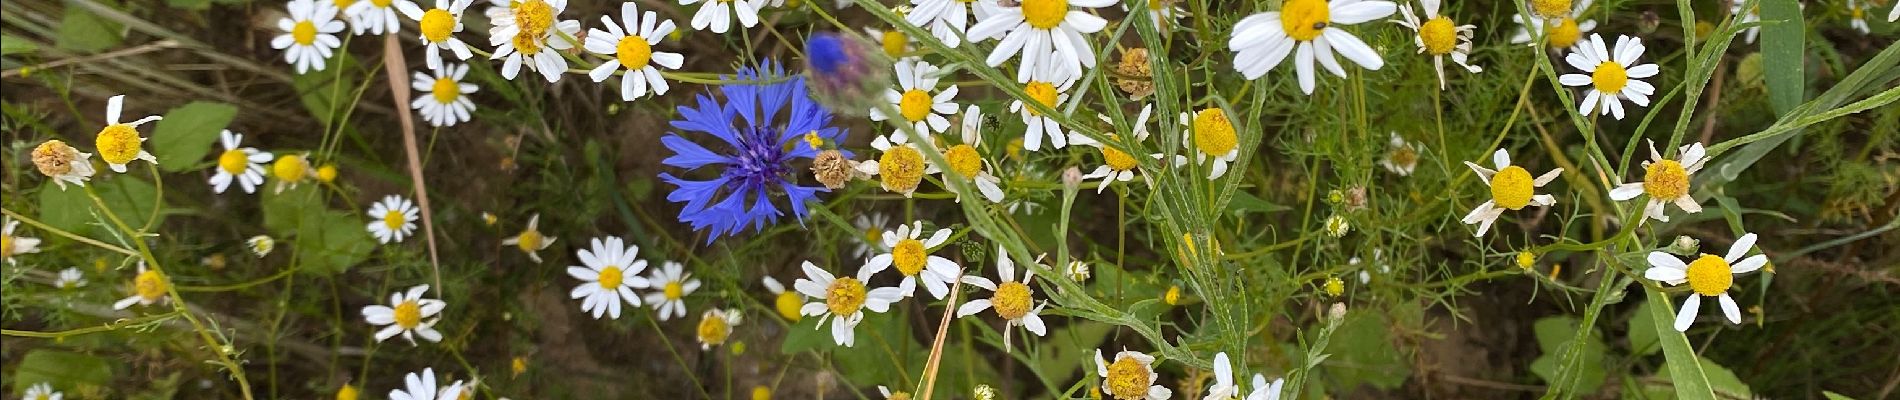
x=965 y=160
x=1512 y=188
x=1439 y=37
x=716 y=15
x=1014 y=301
x=912 y=97
x=43 y=391
x=309 y=34
x=1708 y=275
x=423 y=387
x=786 y=302
x=404 y=315
x=1119 y=166
x=632 y=48
x=1262 y=40
x=447 y=102
x=1212 y=138
x=245 y=165
x=392 y=219
x=843 y=300
x=374 y=16
x=534 y=37
x=674 y=284
x=872 y=224
x=901 y=167
x=63 y=163
x=148 y=287
x=715 y=326
x=1565 y=30
x=1130 y=377
x=260 y=245
x=1265 y=391
x=1048 y=86
x=1857 y=16
x=530 y=240
x=70 y=278
x=439 y=26
x=11 y=245
x=609 y=272
x=947 y=18
x=291 y=170
x=910 y=253
x=118 y=143
x=1665 y=181
x=1612 y=75
x=1046 y=33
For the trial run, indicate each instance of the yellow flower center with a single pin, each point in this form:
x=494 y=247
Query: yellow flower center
x=673 y=290
x=1116 y=159
x=1610 y=77
x=761 y=393
x=305 y=32
x=1709 y=275
x=901 y=168
x=1213 y=133
x=1550 y=8
x=1857 y=12
x=1011 y=300
x=1439 y=36
x=1045 y=14
x=1127 y=378
x=909 y=255
x=394 y=219
x=6 y=246
x=633 y=52
x=290 y=168
x=845 y=297
x=873 y=235
x=118 y=143
x=1335 y=287
x=378 y=3
x=344 y=4
x=1014 y=148
x=964 y=159
x=1172 y=296
x=1564 y=33
x=894 y=42
x=528 y=241
x=527 y=45
x=788 y=304
x=1666 y=180
x=533 y=17
x=915 y=105
x=1303 y=20
x=445 y=90
x=610 y=277
x=1511 y=188
x=812 y=139
x=1042 y=92
x=713 y=329
x=1526 y=259
x=408 y=314
x=150 y=285
x=1403 y=156
x=347 y=392
x=233 y=161
x=437 y=24
x=898 y=396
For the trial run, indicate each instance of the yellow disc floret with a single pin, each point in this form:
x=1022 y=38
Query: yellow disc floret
x=437 y=24
x=6 y=246
x=1550 y=8
x=894 y=43
x=380 y=3
x=528 y=241
x=1045 y=14
x=118 y=144
x=1564 y=32
x=445 y=90
x=305 y=32
x=964 y=160
x=1335 y=287
x=787 y=305
x=1511 y=188
x=533 y=18
x=713 y=329
x=1127 y=378
x=1213 y=133
x=845 y=297
x=234 y=161
x=1117 y=159
x=408 y=314
x=394 y=219
x=1303 y=20
x=915 y=105
x=900 y=169
x=1011 y=300
x=673 y=290
x=290 y=168
x=1610 y=77
x=1709 y=275
x=610 y=277
x=909 y=256
x=1666 y=180
x=633 y=52
x=1042 y=92
x=1439 y=35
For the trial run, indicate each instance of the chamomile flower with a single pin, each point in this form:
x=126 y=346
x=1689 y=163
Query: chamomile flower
x=609 y=272
x=423 y=387
x=1077 y=271
x=901 y=167
x=1401 y=156
x=1309 y=30
x=530 y=240
x=716 y=15
x=1265 y=391
x=632 y=49
x=148 y=287
x=291 y=170
x=715 y=326
x=447 y=102
x=1439 y=37
x=843 y=300
x=393 y=218
x=405 y=315
x=894 y=42
x=914 y=100
x=1047 y=34
x=1224 y=387
x=260 y=245
x=910 y=253
x=948 y=19
x=1014 y=301
x=1212 y=138
x=376 y=17
x=63 y=163
x=118 y=143
x=11 y=245
x=1857 y=16
x=786 y=302
x=1048 y=86
x=1512 y=188
x=245 y=165
x=309 y=34
x=1130 y=377
x=534 y=37
x=964 y=159
x=1666 y=182
x=873 y=225
x=1565 y=29
x=1119 y=166
x=674 y=284
x=1613 y=75
x=439 y=26
x=70 y=278
x=1708 y=275
x=43 y=391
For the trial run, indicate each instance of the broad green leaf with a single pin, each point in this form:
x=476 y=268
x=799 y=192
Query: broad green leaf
x=318 y=90
x=85 y=32
x=1361 y=352
x=10 y=45
x=1553 y=337
x=70 y=210
x=1834 y=396
x=1721 y=379
x=1642 y=331
x=1689 y=380
x=1784 y=45
x=64 y=370
x=286 y=211
x=1244 y=202
x=188 y=133
x=332 y=243
x=805 y=335
x=882 y=353
x=1071 y=348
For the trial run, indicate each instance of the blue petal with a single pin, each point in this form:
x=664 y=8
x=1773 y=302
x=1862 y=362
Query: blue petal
x=694 y=193
x=690 y=155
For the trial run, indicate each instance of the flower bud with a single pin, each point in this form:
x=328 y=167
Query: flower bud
x=1648 y=23
x=1337 y=226
x=1338 y=312
x=1685 y=245
x=845 y=73
x=1071 y=178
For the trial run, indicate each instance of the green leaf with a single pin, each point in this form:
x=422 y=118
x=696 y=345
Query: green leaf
x=1834 y=396
x=1070 y=348
x=1244 y=202
x=70 y=210
x=317 y=90
x=1642 y=332
x=10 y=45
x=85 y=32
x=1784 y=45
x=332 y=243
x=1362 y=353
x=285 y=212
x=1689 y=380
x=1721 y=379
x=187 y=133
x=1553 y=337
x=193 y=5
x=805 y=335
x=64 y=370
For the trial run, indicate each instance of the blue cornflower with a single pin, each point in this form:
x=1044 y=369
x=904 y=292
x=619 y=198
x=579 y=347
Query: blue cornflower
x=755 y=161
x=846 y=73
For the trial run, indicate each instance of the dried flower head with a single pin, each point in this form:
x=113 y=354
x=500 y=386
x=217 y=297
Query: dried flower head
x=1134 y=74
x=833 y=169
x=63 y=163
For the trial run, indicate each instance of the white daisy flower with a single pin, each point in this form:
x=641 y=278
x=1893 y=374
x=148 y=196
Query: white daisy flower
x=148 y=288
x=1566 y=31
x=894 y=42
x=70 y=278
x=911 y=255
x=965 y=160
x=1308 y=30
x=393 y=218
x=1046 y=33
x=609 y=273
x=1050 y=87
x=535 y=36
x=1439 y=37
x=423 y=387
x=912 y=97
x=1265 y=391
x=1077 y=271
x=715 y=326
x=1014 y=301
x=949 y=19
x=1401 y=156
x=1212 y=138
x=901 y=166
x=1857 y=16
x=1665 y=181
x=447 y=103
x=11 y=245
x=1753 y=15
x=674 y=284
x=786 y=302
x=1708 y=275
x=632 y=49
x=1512 y=188
x=260 y=245
x=843 y=300
x=405 y=315
x=118 y=143
x=872 y=243
x=244 y=165
x=1131 y=376
x=716 y=15
x=1118 y=166
x=376 y=17
x=63 y=163
x=1612 y=75
x=530 y=240
x=1224 y=387
x=309 y=34
x=43 y=391
x=439 y=26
